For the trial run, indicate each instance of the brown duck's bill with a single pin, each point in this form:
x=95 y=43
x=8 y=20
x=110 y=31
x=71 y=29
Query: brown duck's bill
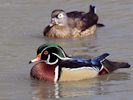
x=38 y=58
x=51 y=25
x=53 y=22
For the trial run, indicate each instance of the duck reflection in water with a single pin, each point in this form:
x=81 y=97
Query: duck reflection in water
x=97 y=86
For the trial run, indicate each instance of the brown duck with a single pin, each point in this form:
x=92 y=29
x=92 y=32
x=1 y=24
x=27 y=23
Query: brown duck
x=72 y=24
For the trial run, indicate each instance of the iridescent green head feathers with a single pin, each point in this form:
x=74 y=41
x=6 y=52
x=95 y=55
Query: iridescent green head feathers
x=50 y=53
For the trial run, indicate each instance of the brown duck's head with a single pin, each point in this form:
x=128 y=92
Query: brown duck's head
x=58 y=17
x=50 y=54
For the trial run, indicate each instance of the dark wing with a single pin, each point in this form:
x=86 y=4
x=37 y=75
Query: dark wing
x=90 y=19
x=78 y=63
x=74 y=63
x=75 y=19
x=82 y=20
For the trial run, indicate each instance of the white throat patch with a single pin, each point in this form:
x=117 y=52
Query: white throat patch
x=51 y=63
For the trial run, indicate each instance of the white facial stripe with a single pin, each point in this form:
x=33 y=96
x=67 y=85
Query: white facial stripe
x=56 y=73
x=52 y=63
x=63 y=54
x=66 y=58
x=62 y=58
x=56 y=47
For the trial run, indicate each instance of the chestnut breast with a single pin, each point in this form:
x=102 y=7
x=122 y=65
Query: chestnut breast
x=42 y=71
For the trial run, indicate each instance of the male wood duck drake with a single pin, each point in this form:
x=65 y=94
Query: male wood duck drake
x=72 y=24
x=53 y=64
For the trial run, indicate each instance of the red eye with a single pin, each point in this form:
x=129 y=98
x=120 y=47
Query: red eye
x=45 y=52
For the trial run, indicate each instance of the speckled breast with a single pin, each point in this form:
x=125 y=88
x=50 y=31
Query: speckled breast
x=65 y=32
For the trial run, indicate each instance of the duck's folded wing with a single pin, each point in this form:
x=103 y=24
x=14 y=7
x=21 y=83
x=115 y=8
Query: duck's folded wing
x=75 y=63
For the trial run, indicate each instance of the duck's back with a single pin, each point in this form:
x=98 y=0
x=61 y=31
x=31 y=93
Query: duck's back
x=82 y=20
x=75 y=20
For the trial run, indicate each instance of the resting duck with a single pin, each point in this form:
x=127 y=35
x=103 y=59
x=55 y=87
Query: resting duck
x=53 y=64
x=72 y=24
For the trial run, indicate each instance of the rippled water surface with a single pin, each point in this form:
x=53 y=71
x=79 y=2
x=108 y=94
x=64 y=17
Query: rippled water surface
x=21 y=26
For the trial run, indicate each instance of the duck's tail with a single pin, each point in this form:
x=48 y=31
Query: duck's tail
x=92 y=9
x=100 y=25
x=110 y=66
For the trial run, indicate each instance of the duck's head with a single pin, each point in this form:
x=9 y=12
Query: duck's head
x=58 y=17
x=50 y=53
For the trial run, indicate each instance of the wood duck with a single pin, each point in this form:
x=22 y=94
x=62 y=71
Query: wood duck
x=53 y=64
x=72 y=24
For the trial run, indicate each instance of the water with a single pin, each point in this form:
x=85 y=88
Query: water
x=21 y=26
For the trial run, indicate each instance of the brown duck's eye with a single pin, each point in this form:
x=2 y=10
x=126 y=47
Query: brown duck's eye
x=46 y=52
x=60 y=15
